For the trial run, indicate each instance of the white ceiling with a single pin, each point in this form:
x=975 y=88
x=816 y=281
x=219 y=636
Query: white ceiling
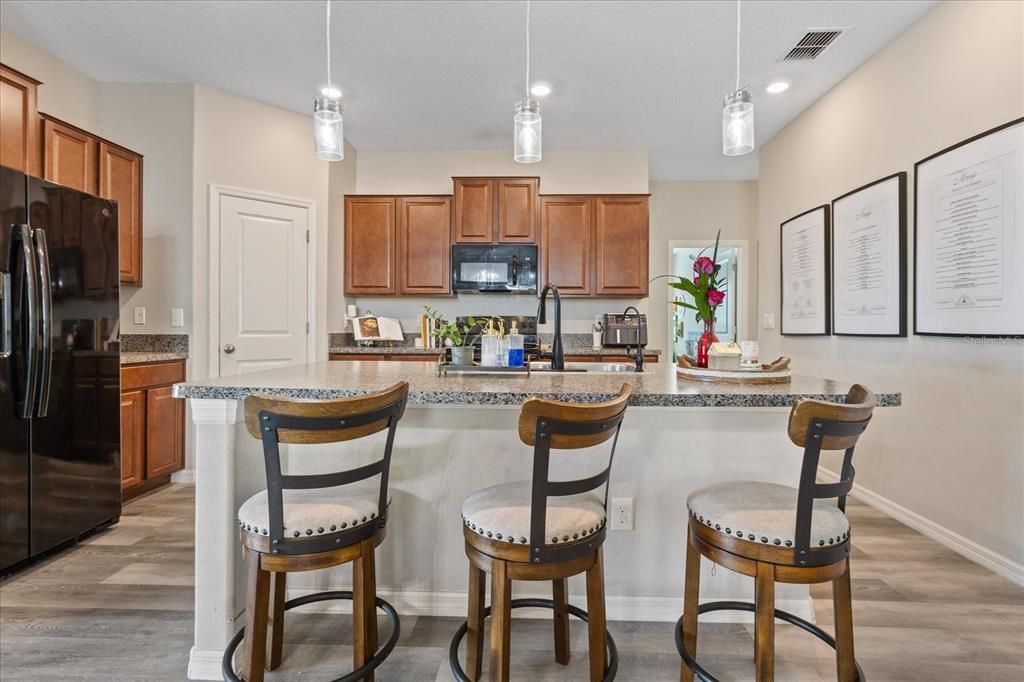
x=444 y=75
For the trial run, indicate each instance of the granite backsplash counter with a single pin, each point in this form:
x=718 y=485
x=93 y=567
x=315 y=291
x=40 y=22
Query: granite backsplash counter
x=140 y=349
x=575 y=345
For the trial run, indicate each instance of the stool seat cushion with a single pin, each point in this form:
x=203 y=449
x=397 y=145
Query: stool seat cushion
x=502 y=512
x=765 y=513
x=316 y=511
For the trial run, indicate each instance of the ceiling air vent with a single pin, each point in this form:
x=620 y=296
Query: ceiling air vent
x=812 y=44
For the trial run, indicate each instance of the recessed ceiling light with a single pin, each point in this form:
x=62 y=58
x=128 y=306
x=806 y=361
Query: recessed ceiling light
x=540 y=90
x=332 y=93
x=775 y=87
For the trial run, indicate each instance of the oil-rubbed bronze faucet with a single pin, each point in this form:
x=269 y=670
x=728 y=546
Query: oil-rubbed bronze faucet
x=557 y=354
x=639 y=349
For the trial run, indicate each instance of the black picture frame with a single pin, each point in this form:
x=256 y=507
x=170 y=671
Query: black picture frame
x=942 y=152
x=827 y=302
x=902 y=176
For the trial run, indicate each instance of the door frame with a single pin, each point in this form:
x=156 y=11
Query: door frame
x=742 y=275
x=216 y=193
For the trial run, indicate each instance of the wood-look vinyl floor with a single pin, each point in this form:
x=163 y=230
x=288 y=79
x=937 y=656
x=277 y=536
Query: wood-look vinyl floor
x=118 y=608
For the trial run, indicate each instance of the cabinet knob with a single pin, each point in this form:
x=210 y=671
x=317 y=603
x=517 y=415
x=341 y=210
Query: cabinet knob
x=229 y=348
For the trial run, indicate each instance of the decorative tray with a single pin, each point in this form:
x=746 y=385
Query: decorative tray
x=776 y=372
x=445 y=368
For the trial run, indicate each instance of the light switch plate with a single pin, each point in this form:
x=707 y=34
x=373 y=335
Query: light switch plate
x=177 y=317
x=768 y=321
x=140 y=315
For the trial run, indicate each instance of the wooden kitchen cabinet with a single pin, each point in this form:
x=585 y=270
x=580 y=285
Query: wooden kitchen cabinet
x=120 y=179
x=133 y=438
x=19 y=122
x=424 y=246
x=370 y=245
x=69 y=156
x=621 y=238
x=152 y=426
x=566 y=243
x=495 y=210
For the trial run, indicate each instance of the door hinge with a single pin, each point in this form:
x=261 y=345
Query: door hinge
x=307 y=328
x=307 y=236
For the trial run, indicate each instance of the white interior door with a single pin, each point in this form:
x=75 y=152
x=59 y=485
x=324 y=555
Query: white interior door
x=264 y=311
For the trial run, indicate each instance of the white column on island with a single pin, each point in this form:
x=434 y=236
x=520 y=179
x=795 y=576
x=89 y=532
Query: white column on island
x=216 y=534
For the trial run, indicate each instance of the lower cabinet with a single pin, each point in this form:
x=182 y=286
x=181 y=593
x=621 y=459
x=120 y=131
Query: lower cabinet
x=152 y=426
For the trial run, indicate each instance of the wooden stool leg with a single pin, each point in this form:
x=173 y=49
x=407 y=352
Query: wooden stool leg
x=560 y=597
x=501 y=621
x=842 y=602
x=370 y=580
x=475 y=622
x=362 y=581
x=257 y=603
x=597 y=624
x=764 y=623
x=276 y=636
x=691 y=601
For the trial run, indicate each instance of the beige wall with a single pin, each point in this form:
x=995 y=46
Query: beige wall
x=341 y=181
x=156 y=121
x=247 y=145
x=682 y=211
x=954 y=453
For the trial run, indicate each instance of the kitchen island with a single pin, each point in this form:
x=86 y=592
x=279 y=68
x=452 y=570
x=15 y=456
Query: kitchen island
x=459 y=435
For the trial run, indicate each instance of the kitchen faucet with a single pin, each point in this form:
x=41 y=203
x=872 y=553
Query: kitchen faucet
x=557 y=354
x=639 y=348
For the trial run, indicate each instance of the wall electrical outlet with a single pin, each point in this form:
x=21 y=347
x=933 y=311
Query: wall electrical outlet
x=622 y=513
x=177 y=317
x=140 y=315
x=768 y=321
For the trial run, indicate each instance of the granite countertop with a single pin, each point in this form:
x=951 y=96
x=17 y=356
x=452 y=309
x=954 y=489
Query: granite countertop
x=658 y=386
x=412 y=350
x=142 y=357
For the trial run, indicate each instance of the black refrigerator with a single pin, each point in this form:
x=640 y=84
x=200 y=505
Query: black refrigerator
x=60 y=471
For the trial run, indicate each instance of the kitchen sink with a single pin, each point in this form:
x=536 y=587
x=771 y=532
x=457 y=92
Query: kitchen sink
x=593 y=367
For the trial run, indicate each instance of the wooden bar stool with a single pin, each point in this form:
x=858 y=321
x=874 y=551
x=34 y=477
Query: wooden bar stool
x=300 y=524
x=775 y=533
x=514 y=532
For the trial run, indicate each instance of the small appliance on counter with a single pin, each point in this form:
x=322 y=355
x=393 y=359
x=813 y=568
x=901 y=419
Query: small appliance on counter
x=624 y=330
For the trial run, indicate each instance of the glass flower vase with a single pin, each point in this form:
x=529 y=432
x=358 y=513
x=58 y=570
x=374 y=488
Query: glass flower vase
x=704 y=345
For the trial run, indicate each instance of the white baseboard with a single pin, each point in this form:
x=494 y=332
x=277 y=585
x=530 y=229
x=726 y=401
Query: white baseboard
x=204 y=664
x=979 y=554
x=653 y=609
x=184 y=476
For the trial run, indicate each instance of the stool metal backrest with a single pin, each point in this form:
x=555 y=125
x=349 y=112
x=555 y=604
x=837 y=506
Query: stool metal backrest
x=554 y=425
x=286 y=420
x=817 y=425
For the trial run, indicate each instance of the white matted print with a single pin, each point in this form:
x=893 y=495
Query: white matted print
x=805 y=273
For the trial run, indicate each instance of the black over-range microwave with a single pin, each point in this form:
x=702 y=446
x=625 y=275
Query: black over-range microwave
x=495 y=268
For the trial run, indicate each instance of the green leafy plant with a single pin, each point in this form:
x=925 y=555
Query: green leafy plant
x=706 y=286
x=458 y=334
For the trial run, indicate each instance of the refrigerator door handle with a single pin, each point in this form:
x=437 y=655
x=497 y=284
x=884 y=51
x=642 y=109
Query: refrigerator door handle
x=6 y=319
x=45 y=321
x=22 y=234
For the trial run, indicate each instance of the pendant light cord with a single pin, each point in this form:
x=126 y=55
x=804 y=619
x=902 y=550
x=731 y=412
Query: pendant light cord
x=527 y=49
x=738 y=25
x=329 y=84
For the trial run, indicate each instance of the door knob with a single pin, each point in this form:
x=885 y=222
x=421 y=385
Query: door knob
x=229 y=348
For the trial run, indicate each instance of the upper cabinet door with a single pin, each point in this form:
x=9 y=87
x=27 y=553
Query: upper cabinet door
x=19 y=122
x=69 y=156
x=370 y=245
x=474 y=211
x=566 y=240
x=424 y=249
x=621 y=246
x=517 y=210
x=120 y=179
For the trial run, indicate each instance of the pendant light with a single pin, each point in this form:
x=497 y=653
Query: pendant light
x=328 y=132
x=527 y=123
x=738 y=111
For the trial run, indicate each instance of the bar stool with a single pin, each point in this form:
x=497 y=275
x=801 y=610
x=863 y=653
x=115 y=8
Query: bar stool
x=775 y=533
x=300 y=524
x=514 y=532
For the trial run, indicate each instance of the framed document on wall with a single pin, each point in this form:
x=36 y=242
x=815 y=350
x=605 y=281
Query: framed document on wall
x=869 y=259
x=969 y=236
x=805 y=273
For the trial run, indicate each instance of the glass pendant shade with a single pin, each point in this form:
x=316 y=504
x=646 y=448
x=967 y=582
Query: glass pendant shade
x=738 y=123
x=328 y=133
x=527 y=131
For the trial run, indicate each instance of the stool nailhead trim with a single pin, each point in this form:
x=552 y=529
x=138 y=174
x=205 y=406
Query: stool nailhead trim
x=764 y=539
x=511 y=538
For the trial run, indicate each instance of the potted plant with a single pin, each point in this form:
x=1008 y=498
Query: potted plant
x=707 y=292
x=455 y=335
